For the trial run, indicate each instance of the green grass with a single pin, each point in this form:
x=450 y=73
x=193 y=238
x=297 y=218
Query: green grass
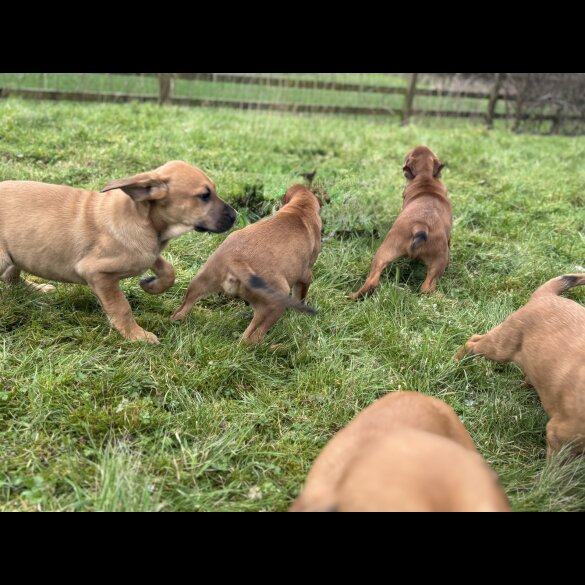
x=89 y=421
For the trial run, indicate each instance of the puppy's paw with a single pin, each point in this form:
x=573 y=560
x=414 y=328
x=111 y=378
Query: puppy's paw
x=467 y=349
x=147 y=283
x=153 y=285
x=145 y=336
x=151 y=338
x=46 y=288
x=461 y=353
x=43 y=288
x=179 y=315
x=251 y=339
x=353 y=296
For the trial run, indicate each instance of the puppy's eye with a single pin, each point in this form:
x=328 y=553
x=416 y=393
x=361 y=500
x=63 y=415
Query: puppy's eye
x=205 y=196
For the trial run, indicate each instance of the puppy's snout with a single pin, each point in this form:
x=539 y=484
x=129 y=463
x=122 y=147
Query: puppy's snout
x=227 y=219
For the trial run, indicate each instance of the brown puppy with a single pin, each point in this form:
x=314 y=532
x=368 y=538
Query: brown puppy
x=261 y=263
x=405 y=452
x=422 y=231
x=72 y=235
x=546 y=338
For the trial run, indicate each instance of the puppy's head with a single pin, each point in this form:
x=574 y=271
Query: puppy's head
x=183 y=197
x=299 y=192
x=421 y=161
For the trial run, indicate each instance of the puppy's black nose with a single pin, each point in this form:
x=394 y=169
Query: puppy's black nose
x=227 y=219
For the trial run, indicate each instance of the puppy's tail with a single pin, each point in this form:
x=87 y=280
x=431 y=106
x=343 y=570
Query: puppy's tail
x=250 y=279
x=560 y=284
x=420 y=234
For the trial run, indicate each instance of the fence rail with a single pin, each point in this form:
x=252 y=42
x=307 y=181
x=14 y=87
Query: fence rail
x=166 y=95
x=316 y=84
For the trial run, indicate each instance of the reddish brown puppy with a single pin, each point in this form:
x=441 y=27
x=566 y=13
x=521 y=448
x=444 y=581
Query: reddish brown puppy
x=263 y=261
x=422 y=231
x=405 y=452
x=546 y=338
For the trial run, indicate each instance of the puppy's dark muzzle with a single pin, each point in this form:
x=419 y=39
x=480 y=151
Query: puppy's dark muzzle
x=224 y=223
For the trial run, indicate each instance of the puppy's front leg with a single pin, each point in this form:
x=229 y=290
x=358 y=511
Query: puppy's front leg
x=164 y=279
x=117 y=308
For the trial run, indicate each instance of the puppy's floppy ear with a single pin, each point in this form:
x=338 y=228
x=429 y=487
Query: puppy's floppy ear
x=285 y=198
x=437 y=167
x=142 y=187
x=408 y=171
x=323 y=197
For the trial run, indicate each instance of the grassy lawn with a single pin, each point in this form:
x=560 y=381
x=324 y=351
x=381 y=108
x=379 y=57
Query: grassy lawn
x=89 y=421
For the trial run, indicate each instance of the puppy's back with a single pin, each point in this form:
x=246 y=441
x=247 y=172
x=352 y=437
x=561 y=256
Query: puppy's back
x=395 y=410
x=282 y=245
x=415 y=471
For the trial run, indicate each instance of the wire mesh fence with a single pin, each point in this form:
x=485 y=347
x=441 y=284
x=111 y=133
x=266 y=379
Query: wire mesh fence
x=535 y=102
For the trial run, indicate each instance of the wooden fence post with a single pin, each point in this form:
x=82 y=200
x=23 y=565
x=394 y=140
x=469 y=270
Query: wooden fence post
x=558 y=119
x=492 y=101
x=164 y=87
x=409 y=99
x=521 y=91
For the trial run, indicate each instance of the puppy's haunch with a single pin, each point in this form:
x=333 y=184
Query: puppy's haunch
x=422 y=231
x=263 y=261
x=72 y=235
x=546 y=338
x=405 y=452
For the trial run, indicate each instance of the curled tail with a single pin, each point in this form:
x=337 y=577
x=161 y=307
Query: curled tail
x=250 y=279
x=420 y=234
x=560 y=284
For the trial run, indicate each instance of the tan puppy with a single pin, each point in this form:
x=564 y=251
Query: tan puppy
x=263 y=261
x=405 y=452
x=422 y=231
x=546 y=338
x=72 y=235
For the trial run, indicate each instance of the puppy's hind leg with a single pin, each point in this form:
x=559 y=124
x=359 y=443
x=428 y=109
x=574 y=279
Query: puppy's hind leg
x=501 y=344
x=387 y=253
x=301 y=288
x=10 y=274
x=435 y=270
x=44 y=288
x=559 y=433
x=201 y=286
x=265 y=316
